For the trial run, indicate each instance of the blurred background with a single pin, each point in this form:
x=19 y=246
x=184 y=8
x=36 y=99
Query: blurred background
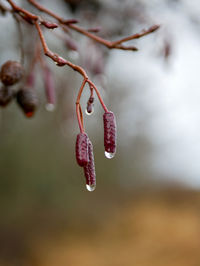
x=145 y=209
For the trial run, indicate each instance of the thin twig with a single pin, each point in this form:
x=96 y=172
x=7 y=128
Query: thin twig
x=78 y=107
x=35 y=20
x=109 y=44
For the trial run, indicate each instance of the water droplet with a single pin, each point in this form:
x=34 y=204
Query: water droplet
x=91 y=187
x=50 y=107
x=109 y=155
x=91 y=111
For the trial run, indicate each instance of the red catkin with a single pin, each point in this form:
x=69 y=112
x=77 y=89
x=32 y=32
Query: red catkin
x=27 y=100
x=82 y=155
x=109 y=132
x=89 y=169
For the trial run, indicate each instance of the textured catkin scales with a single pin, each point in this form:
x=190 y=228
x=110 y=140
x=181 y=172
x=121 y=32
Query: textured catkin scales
x=89 y=169
x=110 y=135
x=82 y=155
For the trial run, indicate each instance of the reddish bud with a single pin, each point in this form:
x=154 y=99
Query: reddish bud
x=27 y=100
x=89 y=170
x=91 y=100
x=59 y=60
x=11 y=73
x=49 y=25
x=6 y=95
x=82 y=155
x=70 y=21
x=109 y=134
x=95 y=30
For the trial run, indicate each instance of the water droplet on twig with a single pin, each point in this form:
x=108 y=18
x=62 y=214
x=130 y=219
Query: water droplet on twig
x=109 y=155
x=91 y=187
x=50 y=107
x=89 y=111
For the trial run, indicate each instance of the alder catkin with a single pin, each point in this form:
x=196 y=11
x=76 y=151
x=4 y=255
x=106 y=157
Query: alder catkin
x=82 y=155
x=27 y=100
x=89 y=169
x=109 y=132
x=11 y=73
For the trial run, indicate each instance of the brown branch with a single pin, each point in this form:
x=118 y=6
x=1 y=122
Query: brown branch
x=109 y=44
x=138 y=35
x=21 y=10
x=55 y=57
x=61 y=62
x=34 y=19
x=78 y=107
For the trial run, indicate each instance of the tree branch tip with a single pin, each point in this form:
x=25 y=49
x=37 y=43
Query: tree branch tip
x=155 y=27
x=70 y=21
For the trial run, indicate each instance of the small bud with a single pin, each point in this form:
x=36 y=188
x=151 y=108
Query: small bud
x=91 y=100
x=60 y=61
x=95 y=30
x=27 y=100
x=89 y=170
x=70 y=21
x=6 y=95
x=11 y=73
x=82 y=155
x=49 y=25
x=109 y=134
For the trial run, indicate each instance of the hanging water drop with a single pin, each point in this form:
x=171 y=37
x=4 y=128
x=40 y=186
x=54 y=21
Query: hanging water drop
x=109 y=155
x=50 y=107
x=91 y=187
x=89 y=110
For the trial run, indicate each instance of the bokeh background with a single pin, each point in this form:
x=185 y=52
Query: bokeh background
x=145 y=209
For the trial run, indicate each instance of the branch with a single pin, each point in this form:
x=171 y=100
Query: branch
x=109 y=44
x=36 y=21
